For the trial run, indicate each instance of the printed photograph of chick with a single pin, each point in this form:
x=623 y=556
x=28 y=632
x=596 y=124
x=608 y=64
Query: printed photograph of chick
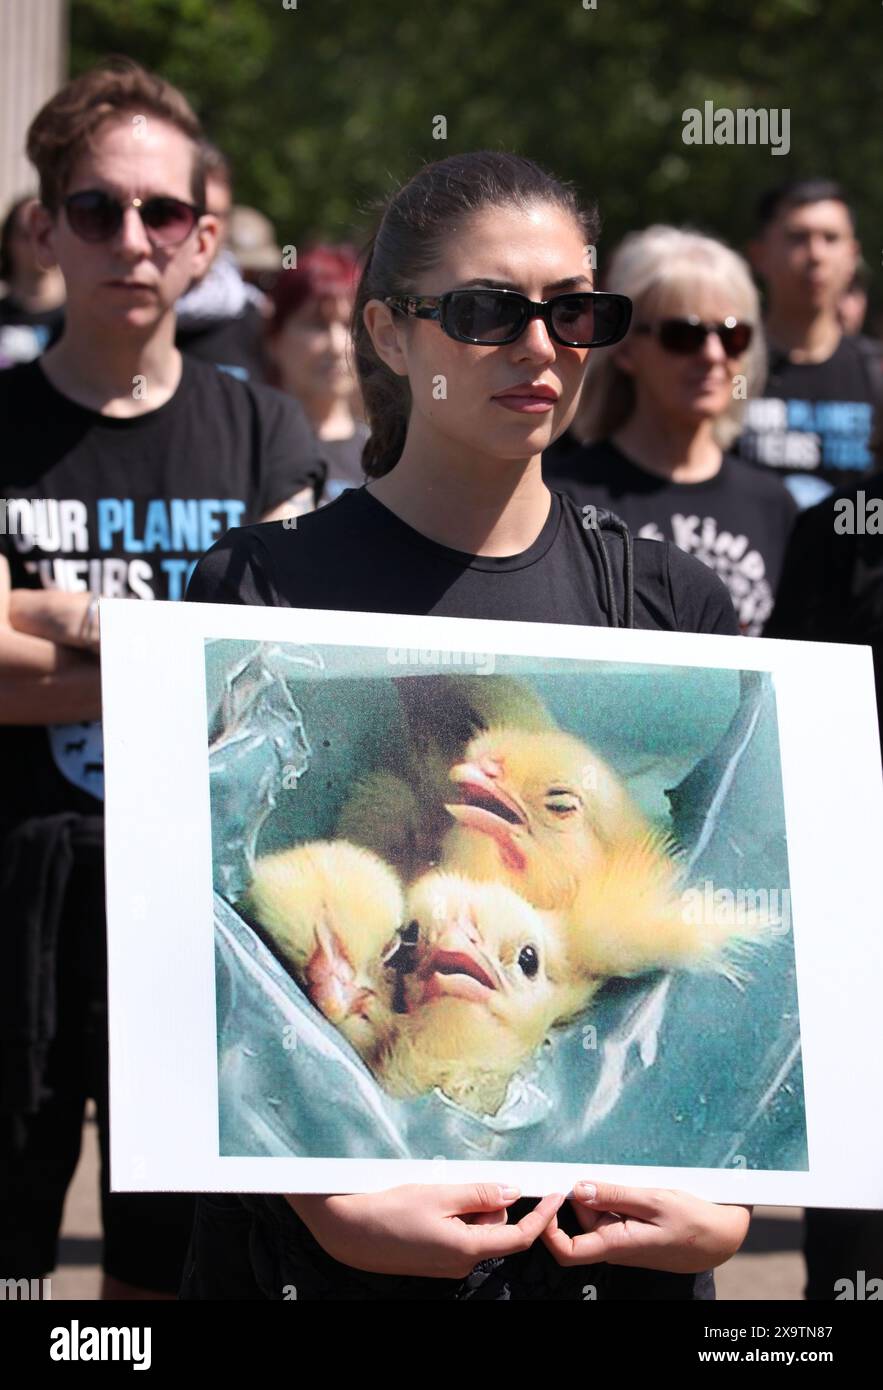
x=491 y=977
x=333 y=912
x=454 y=986
x=501 y=914
x=487 y=982
x=536 y=810
x=542 y=812
x=481 y=890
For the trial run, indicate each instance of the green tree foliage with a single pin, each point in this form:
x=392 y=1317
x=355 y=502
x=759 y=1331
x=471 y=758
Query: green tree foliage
x=323 y=108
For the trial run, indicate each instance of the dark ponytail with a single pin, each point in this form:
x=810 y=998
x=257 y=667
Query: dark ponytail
x=408 y=241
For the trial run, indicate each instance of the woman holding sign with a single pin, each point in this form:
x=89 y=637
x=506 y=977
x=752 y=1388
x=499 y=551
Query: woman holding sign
x=473 y=325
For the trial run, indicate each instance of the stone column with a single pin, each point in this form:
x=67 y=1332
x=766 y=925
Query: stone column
x=33 y=64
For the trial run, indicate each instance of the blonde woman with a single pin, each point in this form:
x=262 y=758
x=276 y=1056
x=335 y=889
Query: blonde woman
x=658 y=414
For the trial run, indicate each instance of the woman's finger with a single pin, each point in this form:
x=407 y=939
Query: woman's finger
x=612 y=1242
x=458 y=1199
x=486 y=1218
x=646 y=1203
x=485 y=1242
x=588 y=1217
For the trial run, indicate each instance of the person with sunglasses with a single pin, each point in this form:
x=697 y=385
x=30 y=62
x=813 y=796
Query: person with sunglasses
x=811 y=421
x=124 y=462
x=473 y=322
x=650 y=439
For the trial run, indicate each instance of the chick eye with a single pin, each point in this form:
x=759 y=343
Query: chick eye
x=562 y=802
x=528 y=961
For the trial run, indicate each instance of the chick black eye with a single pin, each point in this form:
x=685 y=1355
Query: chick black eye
x=528 y=961
x=562 y=803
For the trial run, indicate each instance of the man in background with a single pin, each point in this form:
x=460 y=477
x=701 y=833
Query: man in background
x=127 y=461
x=811 y=422
x=220 y=318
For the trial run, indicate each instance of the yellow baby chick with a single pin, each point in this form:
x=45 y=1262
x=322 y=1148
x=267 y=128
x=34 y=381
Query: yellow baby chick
x=333 y=911
x=488 y=982
x=536 y=810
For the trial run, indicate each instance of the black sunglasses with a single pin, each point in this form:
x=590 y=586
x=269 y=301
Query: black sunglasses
x=688 y=335
x=494 y=317
x=94 y=215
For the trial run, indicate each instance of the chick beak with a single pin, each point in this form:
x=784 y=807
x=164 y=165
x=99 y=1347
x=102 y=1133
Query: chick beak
x=331 y=979
x=488 y=808
x=458 y=964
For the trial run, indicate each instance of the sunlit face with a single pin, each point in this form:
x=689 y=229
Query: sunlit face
x=808 y=254
x=310 y=350
x=125 y=283
x=691 y=388
x=539 y=252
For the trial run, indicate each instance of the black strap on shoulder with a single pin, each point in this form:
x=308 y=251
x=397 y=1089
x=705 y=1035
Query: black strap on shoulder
x=607 y=520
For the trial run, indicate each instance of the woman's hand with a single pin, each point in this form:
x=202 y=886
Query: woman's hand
x=650 y=1228
x=439 y=1232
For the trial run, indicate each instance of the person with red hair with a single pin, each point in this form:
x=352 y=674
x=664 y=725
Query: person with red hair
x=307 y=348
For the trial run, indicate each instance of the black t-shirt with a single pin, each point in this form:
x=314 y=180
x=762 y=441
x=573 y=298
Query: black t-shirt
x=236 y=345
x=812 y=423
x=25 y=333
x=355 y=554
x=126 y=507
x=737 y=523
x=832 y=583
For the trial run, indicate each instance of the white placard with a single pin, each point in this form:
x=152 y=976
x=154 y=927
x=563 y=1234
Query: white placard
x=225 y=1076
